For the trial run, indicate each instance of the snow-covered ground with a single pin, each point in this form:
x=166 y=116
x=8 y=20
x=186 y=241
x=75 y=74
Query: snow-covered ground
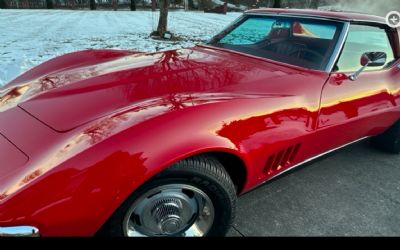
x=30 y=37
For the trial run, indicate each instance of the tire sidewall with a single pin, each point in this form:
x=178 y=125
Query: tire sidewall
x=223 y=205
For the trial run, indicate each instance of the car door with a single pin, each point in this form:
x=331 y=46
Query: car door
x=351 y=110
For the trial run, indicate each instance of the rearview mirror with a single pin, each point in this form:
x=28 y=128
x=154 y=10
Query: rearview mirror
x=370 y=59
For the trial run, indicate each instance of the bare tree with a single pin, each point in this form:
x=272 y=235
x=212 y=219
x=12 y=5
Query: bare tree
x=133 y=5
x=3 y=4
x=190 y=4
x=314 y=4
x=115 y=4
x=92 y=4
x=49 y=4
x=163 y=21
x=226 y=6
x=277 y=4
x=205 y=4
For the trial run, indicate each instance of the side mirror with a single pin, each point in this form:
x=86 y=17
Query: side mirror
x=370 y=59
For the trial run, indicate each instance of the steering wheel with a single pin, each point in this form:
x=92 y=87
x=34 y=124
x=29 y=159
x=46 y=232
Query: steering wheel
x=308 y=51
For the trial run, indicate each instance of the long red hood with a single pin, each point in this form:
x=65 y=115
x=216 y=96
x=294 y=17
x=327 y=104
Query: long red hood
x=77 y=88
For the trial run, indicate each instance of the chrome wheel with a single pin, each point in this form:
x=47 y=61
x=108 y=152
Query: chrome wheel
x=170 y=210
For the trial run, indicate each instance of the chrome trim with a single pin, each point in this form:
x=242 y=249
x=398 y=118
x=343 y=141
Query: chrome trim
x=19 y=231
x=339 y=47
x=170 y=210
x=309 y=160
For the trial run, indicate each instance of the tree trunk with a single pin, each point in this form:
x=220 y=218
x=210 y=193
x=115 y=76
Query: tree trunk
x=163 y=21
x=115 y=4
x=225 y=6
x=133 y=5
x=314 y=4
x=49 y=4
x=277 y=4
x=153 y=5
x=3 y=4
x=92 y=4
x=191 y=4
x=186 y=5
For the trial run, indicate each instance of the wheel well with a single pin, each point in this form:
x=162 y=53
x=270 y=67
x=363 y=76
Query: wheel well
x=234 y=166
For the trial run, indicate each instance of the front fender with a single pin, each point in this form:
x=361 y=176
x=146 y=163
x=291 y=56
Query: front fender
x=92 y=172
x=89 y=175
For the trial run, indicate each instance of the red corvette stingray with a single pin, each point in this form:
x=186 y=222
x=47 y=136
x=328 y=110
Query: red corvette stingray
x=124 y=143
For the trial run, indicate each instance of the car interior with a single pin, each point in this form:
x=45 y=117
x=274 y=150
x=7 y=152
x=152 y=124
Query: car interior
x=285 y=44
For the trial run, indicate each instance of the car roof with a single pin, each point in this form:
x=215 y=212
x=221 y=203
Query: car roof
x=331 y=14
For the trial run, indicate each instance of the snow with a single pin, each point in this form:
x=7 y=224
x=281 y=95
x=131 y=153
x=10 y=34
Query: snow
x=30 y=37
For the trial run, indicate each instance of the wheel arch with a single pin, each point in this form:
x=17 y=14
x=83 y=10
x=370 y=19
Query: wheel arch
x=232 y=161
x=233 y=164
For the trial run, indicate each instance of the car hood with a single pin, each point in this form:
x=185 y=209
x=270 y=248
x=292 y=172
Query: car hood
x=67 y=98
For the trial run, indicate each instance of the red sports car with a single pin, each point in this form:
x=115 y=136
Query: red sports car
x=124 y=143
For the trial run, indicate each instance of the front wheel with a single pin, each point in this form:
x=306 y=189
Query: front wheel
x=194 y=197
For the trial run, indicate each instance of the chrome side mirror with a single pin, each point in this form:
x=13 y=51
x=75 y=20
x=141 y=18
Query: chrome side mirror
x=370 y=59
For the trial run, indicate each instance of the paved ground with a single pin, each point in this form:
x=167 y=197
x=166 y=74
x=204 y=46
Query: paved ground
x=355 y=192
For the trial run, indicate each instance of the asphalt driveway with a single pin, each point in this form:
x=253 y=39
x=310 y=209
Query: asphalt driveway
x=354 y=192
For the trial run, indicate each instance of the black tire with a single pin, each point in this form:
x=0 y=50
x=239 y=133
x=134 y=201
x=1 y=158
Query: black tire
x=203 y=172
x=389 y=141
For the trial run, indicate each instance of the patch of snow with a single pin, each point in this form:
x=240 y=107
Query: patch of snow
x=30 y=37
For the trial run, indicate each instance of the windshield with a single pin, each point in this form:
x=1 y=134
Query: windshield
x=304 y=42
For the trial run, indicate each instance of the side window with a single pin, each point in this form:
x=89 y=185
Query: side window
x=362 y=39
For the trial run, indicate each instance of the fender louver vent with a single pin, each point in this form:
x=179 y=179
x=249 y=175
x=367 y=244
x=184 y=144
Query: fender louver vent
x=281 y=160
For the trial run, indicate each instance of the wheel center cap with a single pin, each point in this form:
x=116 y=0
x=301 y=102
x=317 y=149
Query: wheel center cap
x=171 y=225
x=167 y=215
